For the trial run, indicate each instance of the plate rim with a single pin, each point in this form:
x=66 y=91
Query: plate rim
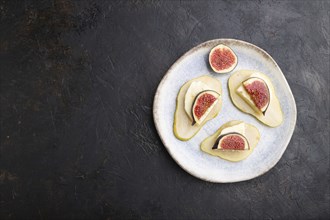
x=163 y=80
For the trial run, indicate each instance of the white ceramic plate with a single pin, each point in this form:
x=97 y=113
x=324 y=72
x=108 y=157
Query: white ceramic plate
x=187 y=154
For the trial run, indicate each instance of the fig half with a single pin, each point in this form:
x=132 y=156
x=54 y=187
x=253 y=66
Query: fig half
x=194 y=89
x=222 y=59
x=258 y=91
x=203 y=104
x=231 y=141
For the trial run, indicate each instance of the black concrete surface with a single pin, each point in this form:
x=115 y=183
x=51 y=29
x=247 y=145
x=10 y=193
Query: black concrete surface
x=77 y=86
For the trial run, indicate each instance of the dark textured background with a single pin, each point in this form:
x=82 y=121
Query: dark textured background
x=77 y=86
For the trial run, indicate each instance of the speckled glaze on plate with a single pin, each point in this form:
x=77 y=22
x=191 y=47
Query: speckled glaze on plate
x=187 y=154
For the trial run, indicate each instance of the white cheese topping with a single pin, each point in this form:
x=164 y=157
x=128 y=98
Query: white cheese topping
x=239 y=128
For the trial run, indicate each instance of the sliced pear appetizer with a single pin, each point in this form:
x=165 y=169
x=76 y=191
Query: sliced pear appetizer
x=252 y=92
x=234 y=141
x=198 y=101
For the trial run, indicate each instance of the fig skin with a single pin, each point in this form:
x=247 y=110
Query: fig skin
x=223 y=48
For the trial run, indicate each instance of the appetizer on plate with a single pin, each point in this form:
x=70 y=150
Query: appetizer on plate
x=233 y=141
x=198 y=101
x=252 y=92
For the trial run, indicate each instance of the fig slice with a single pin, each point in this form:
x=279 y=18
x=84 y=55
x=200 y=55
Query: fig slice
x=258 y=91
x=222 y=59
x=231 y=141
x=203 y=104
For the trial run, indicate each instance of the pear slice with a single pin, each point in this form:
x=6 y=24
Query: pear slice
x=248 y=131
x=273 y=115
x=182 y=126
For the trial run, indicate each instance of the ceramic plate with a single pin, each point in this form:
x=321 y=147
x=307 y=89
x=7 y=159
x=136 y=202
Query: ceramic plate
x=187 y=154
